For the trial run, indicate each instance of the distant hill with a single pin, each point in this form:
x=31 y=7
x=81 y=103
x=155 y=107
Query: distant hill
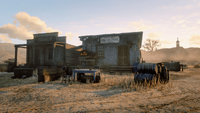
x=194 y=53
x=7 y=51
x=172 y=54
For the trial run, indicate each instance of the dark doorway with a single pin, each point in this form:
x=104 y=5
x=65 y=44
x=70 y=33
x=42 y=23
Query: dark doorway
x=123 y=56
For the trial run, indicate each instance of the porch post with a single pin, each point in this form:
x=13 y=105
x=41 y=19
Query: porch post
x=16 y=48
x=64 y=62
x=53 y=53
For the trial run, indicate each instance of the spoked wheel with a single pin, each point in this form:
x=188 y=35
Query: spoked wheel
x=165 y=75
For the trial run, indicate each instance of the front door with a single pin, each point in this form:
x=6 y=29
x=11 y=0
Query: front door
x=123 y=56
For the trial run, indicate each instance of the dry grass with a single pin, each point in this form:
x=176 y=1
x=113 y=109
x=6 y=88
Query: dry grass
x=7 y=81
x=179 y=95
x=125 y=81
x=117 y=80
x=24 y=90
x=164 y=87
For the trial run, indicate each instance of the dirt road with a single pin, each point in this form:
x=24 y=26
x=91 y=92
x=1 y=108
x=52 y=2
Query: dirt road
x=181 y=94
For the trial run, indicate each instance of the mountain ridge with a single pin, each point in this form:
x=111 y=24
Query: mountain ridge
x=7 y=51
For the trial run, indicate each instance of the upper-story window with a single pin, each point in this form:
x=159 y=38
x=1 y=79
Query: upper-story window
x=89 y=47
x=100 y=51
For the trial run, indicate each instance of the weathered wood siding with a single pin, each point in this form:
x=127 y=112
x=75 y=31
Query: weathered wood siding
x=72 y=55
x=132 y=41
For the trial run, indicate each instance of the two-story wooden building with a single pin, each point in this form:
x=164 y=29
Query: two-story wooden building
x=122 y=49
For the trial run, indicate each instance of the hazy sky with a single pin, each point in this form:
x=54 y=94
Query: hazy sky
x=158 y=19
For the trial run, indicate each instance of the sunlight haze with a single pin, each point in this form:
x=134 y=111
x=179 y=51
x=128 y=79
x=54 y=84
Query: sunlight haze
x=164 y=20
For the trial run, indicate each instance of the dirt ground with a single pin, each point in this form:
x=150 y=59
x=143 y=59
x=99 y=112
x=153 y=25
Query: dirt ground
x=181 y=94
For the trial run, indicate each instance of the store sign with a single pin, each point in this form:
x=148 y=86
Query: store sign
x=84 y=54
x=44 y=39
x=110 y=39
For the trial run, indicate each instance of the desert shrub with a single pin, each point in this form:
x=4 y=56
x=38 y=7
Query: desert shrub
x=197 y=66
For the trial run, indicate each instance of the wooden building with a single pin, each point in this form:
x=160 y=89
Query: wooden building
x=44 y=49
x=106 y=50
x=46 y=52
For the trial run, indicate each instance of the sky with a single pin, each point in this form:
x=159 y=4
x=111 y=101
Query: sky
x=163 y=20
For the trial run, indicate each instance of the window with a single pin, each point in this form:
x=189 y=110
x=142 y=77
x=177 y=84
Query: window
x=50 y=53
x=100 y=51
x=89 y=46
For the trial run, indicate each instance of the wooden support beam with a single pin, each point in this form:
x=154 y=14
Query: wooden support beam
x=19 y=45
x=16 y=48
x=59 y=45
x=33 y=55
x=60 y=42
x=64 y=62
x=23 y=47
x=54 y=45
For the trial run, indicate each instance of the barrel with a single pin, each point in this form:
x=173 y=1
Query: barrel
x=172 y=66
x=159 y=68
x=165 y=74
x=151 y=68
x=143 y=77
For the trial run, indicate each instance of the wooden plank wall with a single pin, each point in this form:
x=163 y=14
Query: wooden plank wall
x=72 y=55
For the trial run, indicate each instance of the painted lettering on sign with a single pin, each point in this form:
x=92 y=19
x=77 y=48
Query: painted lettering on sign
x=110 y=39
x=44 y=39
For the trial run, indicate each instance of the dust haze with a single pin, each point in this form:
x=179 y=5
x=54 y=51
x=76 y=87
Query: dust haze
x=182 y=55
x=7 y=51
